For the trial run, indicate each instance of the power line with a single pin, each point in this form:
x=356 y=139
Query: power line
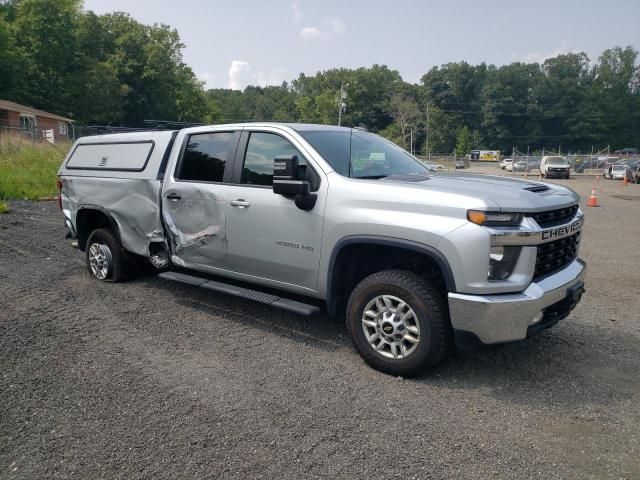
x=544 y=114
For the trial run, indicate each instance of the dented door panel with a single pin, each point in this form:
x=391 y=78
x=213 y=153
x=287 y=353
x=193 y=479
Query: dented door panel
x=196 y=223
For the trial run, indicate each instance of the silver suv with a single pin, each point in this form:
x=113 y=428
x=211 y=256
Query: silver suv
x=304 y=216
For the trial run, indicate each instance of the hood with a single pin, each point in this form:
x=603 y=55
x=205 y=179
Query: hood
x=507 y=194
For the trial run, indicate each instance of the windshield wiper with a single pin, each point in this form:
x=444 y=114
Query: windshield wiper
x=372 y=177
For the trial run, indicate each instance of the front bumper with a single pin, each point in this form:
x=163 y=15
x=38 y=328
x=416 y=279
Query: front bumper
x=557 y=173
x=500 y=318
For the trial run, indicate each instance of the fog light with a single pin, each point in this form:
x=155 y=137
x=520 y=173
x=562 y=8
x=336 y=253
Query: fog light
x=537 y=318
x=502 y=261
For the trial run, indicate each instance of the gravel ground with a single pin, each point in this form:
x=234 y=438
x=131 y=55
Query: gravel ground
x=155 y=380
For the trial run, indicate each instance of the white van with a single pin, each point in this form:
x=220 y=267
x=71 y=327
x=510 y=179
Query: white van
x=554 y=167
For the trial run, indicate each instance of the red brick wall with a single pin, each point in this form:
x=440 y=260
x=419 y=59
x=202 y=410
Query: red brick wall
x=50 y=123
x=14 y=118
x=44 y=123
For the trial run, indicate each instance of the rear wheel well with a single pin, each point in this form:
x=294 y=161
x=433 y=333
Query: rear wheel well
x=356 y=261
x=89 y=219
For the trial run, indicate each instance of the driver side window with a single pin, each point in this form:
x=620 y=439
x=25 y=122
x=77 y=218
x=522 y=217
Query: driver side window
x=262 y=148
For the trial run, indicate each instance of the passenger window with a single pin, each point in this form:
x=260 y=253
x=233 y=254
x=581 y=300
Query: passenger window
x=258 y=161
x=205 y=156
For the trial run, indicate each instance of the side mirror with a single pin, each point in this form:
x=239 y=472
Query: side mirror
x=286 y=182
x=285 y=177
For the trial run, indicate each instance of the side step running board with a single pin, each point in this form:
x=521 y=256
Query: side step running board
x=277 y=302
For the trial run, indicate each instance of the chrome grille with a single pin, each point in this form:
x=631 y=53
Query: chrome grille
x=555 y=217
x=554 y=256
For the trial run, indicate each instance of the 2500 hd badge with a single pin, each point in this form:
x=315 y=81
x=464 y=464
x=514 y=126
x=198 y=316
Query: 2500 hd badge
x=282 y=243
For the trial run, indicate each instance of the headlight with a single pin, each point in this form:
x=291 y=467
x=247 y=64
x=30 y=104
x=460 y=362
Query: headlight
x=502 y=261
x=494 y=219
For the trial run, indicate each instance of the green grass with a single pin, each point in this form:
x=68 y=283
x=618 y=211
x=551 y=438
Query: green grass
x=28 y=171
x=4 y=208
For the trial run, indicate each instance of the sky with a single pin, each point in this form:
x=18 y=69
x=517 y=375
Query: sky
x=232 y=44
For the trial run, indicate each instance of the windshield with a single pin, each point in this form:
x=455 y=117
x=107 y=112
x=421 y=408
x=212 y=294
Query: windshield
x=556 y=161
x=619 y=167
x=357 y=154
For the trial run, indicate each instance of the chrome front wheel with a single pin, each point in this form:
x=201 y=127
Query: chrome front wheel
x=391 y=326
x=398 y=322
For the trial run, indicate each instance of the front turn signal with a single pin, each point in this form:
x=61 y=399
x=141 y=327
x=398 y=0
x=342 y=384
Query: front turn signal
x=494 y=219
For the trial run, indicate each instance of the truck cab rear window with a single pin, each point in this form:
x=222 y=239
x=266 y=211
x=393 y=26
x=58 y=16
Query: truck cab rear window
x=205 y=157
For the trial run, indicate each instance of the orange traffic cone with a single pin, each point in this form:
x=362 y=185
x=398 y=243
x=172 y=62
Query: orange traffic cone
x=593 y=200
x=625 y=181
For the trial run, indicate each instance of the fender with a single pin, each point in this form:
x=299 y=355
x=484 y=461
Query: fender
x=427 y=250
x=112 y=222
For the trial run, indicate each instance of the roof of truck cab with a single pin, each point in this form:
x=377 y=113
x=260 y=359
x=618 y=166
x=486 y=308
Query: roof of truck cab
x=300 y=127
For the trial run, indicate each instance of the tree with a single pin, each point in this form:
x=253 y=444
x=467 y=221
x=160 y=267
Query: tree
x=510 y=113
x=464 y=141
x=7 y=61
x=441 y=131
x=405 y=113
x=46 y=43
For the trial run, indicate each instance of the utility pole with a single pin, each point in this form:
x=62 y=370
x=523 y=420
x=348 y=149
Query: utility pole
x=411 y=142
x=341 y=102
x=428 y=152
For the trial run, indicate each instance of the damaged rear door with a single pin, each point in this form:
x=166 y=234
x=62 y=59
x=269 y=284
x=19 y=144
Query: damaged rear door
x=194 y=199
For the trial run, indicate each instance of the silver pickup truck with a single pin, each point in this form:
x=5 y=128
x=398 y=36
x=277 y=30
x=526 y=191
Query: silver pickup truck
x=300 y=216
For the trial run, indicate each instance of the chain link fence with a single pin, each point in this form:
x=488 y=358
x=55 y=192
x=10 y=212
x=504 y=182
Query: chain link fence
x=523 y=163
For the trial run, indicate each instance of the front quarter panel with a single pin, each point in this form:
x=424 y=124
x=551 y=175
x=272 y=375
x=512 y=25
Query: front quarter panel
x=392 y=210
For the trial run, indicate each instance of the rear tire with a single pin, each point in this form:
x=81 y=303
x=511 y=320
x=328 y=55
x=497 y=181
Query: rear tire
x=398 y=321
x=106 y=258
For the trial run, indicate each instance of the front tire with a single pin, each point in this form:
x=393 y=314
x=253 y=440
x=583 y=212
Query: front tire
x=106 y=257
x=398 y=322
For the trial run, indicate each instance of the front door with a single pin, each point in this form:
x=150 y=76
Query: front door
x=194 y=200
x=269 y=237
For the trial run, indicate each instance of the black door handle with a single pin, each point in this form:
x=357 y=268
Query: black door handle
x=173 y=196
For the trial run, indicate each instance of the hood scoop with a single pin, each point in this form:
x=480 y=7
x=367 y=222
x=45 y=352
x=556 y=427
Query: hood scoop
x=537 y=188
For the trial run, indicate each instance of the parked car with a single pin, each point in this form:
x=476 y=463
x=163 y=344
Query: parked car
x=505 y=162
x=618 y=172
x=302 y=216
x=524 y=165
x=636 y=174
x=435 y=167
x=459 y=163
x=552 y=166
